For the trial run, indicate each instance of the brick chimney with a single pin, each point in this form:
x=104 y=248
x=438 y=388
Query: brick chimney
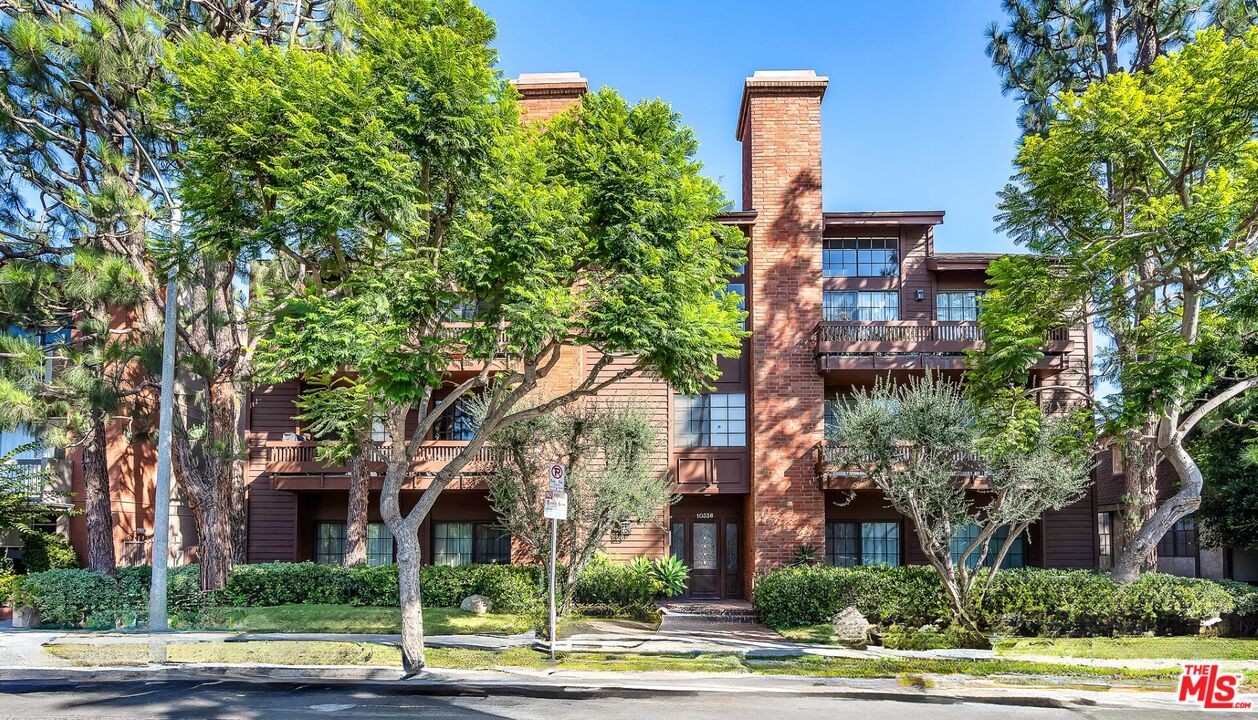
x=544 y=95
x=779 y=126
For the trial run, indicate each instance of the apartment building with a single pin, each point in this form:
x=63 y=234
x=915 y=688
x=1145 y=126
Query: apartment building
x=836 y=299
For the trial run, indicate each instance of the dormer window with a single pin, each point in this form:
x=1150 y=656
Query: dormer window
x=860 y=257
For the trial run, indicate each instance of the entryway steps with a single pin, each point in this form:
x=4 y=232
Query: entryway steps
x=730 y=611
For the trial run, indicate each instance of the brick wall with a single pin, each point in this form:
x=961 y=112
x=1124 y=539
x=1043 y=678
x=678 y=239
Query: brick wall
x=780 y=127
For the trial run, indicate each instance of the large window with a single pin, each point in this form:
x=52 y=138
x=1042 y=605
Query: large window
x=1105 y=540
x=739 y=289
x=965 y=535
x=715 y=420
x=462 y=543
x=958 y=304
x=1180 y=540
x=862 y=543
x=457 y=423
x=330 y=542
x=861 y=257
x=861 y=305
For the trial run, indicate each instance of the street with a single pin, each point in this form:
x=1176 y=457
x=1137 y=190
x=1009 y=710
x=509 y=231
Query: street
x=229 y=700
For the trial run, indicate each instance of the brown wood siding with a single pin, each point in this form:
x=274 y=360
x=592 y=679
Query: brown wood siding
x=1068 y=536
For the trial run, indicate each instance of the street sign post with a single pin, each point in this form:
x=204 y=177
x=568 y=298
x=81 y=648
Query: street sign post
x=554 y=508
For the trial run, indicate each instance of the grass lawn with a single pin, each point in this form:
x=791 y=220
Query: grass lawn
x=1187 y=648
x=359 y=619
x=344 y=653
x=820 y=633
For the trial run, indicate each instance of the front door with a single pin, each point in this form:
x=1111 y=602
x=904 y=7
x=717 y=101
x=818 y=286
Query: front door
x=708 y=545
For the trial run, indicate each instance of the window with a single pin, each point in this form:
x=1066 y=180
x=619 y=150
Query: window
x=958 y=304
x=715 y=420
x=457 y=423
x=677 y=540
x=1105 y=540
x=461 y=543
x=860 y=305
x=861 y=257
x=379 y=545
x=1180 y=540
x=862 y=543
x=464 y=311
x=965 y=535
x=739 y=289
x=330 y=542
x=379 y=433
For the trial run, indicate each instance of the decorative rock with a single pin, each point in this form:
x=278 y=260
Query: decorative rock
x=851 y=627
x=25 y=617
x=478 y=604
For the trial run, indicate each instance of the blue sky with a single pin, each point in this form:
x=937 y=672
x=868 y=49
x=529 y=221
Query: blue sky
x=913 y=118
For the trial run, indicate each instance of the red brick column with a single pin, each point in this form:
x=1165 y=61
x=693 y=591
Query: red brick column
x=780 y=128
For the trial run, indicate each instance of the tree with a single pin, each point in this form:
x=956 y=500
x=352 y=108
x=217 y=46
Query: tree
x=22 y=490
x=64 y=376
x=1141 y=206
x=608 y=452
x=401 y=182
x=87 y=146
x=923 y=442
x=1051 y=50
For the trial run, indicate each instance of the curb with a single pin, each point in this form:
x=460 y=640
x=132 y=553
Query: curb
x=484 y=683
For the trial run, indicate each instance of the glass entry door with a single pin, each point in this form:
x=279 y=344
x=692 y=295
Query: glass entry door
x=709 y=547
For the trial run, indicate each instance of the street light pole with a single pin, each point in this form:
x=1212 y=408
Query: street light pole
x=165 y=429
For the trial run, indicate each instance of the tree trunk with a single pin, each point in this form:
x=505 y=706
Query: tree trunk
x=356 y=522
x=1139 y=503
x=99 y=513
x=412 y=609
x=214 y=552
x=1179 y=505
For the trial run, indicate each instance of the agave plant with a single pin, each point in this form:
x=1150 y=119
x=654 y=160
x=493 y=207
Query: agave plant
x=671 y=572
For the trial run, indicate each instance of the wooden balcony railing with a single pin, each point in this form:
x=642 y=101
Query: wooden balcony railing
x=836 y=468
x=286 y=457
x=909 y=344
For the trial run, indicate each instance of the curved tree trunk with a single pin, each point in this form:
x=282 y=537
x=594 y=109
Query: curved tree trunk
x=356 y=521
x=1138 y=505
x=408 y=557
x=1179 y=505
x=98 y=512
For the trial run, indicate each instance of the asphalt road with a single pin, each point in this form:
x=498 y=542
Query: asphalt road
x=243 y=701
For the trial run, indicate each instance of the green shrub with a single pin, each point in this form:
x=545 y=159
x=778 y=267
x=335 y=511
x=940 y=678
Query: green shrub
x=671 y=573
x=43 y=551
x=1028 y=601
x=898 y=637
x=609 y=584
x=72 y=597
x=809 y=594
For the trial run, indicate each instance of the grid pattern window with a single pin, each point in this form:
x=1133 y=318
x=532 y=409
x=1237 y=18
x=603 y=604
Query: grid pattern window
x=1105 y=540
x=457 y=423
x=1180 y=540
x=714 y=420
x=1016 y=558
x=379 y=545
x=463 y=543
x=493 y=544
x=871 y=306
x=861 y=257
x=958 y=305
x=330 y=543
x=862 y=543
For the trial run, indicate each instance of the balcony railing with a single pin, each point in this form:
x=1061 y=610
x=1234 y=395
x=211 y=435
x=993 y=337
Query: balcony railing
x=911 y=344
x=899 y=331
x=302 y=458
x=836 y=461
x=32 y=475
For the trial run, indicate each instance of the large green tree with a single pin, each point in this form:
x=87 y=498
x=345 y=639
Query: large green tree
x=1048 y=50
x=1141 y=206
x=400 y=182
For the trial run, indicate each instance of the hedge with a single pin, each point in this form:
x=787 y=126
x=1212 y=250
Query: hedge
x=82 y=598
x=1028 y=601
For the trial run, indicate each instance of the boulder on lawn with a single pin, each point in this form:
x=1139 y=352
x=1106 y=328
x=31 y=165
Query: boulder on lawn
x=851 y=628
x=478 y=604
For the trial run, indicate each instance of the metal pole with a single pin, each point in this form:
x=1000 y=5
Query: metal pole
x=165 y=428
x=554 y=538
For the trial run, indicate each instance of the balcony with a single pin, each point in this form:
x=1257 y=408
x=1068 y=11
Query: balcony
x=294 y=466
x=912 y=345
x=34 y=478
x=836 y=469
